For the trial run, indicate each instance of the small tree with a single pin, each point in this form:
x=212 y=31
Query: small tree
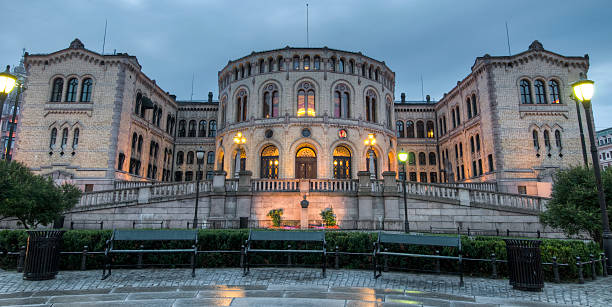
x=275 y=215
x=328 y=216
x=33 y=199
x=574 y=206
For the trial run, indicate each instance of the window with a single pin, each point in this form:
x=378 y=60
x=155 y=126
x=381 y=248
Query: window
x=202 y=129
x=444 y=123
x=472 y=144
x=341 y=65
x=296 y=63
x=86 y=90
x=468 y=105
x=522 y=189
x=280 y=63
x=189 y=176
x=553 y=88
x=420 y=128
x=181 y=128
x=209 y=175
x=261 y=66
x=432 y=158
x=525 y=92
x=490 y=159
x=212 y=129
x=474 y=170
x=139 y=143
x=342 y=163
x=430 y=129
x=64 y=138
x=179 y=158
x=422 y=159
x=138 y=103
x=332 y=64
x=269 y=162
x=479 y=167
x=178 y=176
x=371 y=106
x=454 y=119
x=376 y=73
x=270 y=65
x=210 y=157
x=75 y=138
x=341 y=101
x=458 y=116
x=540 y=95
x=351 y=67
x=270 y=101
x=317 y=63
x=306 y=100
x=53 y=138
x=388 y=114
x=399 y=127
x=558 y=139
x=248 y=67
x=120 y=161
x=56 y=93
x=190 y=157
x=306 y=63
x=460 y=149
x=159 y=116
x=235 y=74
x=433 y=177
x=134 y=141
x=154 y=115
x=547 y=139
x=474 y=106
x=241 y=106
x=410 y=129
x=536 y=141
x=413 y=176
x=423 y=176
x=370 y=72
x=411 y=158
x=192 y=129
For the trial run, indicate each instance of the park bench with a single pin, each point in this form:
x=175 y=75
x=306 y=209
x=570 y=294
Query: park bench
x=255 y=236
x=385 y=239
x=149 y=235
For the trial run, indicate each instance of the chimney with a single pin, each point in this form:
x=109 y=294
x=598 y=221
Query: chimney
x=428 y=98
x=173 y=97
x=403 y=97
x=209 y=97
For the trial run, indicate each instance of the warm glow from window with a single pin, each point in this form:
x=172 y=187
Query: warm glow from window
x=430 y=134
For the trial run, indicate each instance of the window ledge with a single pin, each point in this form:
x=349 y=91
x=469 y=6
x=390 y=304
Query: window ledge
x=543 y=110
x=69 y=107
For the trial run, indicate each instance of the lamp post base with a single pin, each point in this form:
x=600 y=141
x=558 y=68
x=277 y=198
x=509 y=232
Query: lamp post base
x=406 y=227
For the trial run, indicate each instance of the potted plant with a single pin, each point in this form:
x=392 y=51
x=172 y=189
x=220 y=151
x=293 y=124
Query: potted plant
x=275 y=215
x=329 y=218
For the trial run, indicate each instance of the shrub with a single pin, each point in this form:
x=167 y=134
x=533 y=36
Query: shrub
x=275 y=215
x=328 y=216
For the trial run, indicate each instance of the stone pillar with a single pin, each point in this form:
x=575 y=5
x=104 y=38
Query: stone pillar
x=144 y=193
x=364 y=195
x=304 y=219
x=243 y=196
x=390 y=193
x=218 y=184
x=464 y=197
x=217 y=198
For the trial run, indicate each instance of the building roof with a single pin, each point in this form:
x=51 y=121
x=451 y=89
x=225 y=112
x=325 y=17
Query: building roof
x=604 y=132
x=197 y=102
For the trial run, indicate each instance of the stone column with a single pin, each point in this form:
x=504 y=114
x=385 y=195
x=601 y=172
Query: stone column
x=364 y=195
x=217 y=198
x=244 y=194
x=390 y=194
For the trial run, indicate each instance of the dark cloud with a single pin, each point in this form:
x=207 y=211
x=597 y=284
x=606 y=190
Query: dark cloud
x=436 y=39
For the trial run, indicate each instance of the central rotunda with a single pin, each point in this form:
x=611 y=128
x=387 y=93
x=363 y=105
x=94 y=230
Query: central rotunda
x=306 y=113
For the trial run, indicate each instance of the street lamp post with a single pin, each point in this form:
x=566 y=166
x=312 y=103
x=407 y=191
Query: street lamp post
x=583 y=91
x=7 y=83
x=200 y=157
x=403 y=157
x=239 y=139
x=9 y=144
x=371 y=141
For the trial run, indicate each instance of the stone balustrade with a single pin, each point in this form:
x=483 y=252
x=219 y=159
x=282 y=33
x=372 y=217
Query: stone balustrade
x=525 y=202
x=332 y=185
x=275 y=185
x=482 y=186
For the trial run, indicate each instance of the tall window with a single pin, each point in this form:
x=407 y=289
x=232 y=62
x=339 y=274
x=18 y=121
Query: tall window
x=525 y=92
x=64 y=138
x=317 y=62
x=430 y=129
x=241 y=106
x=547 y=139
x=139 y=143
x=280 y=63
x=454 y=117
x=539 y=92
x=468 y=105
x=490 y=160
x=248 y=67
x=422 y=158
x=478 y=142
x=270 y=101
x=86 y=90
x=53 y=138
x=553 y=88
x=332 y=64
x=190 y=157
x=179 y=158
x=410 y=129
x=420 y=127
x=210 y=157
x=269 y=162
x=181 y=128
x=388 y=114
x=399 y=127
x=192 y=129
x=536 y=140
x=371 y=106
x=296 y=63
x=75 y=138
x=270 y=65
x=261 y=66
x=56 y=93
x=341 y=101
x=458 y=115
x=472 y=148
x=342 y=163
x=212 y=129
x=202 y=129
x=351 y=67
x=558 y=139
x=306 y=63
x=306 y=100
x=341 y=65
x=474 y=105
x=432 y=158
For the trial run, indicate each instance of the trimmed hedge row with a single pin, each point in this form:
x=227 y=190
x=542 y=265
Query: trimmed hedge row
x=352 y=242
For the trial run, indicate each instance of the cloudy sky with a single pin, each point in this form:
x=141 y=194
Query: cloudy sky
x=439 y=40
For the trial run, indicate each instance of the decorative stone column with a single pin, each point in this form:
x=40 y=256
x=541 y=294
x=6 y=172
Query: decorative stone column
x=217 y=198
x=364 y=197
x=390 y=193
x=244 y=195
x=304 y=214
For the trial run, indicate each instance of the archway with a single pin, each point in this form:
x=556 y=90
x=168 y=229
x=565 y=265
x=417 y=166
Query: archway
x=342 y=163
x=306 y=163
x=269 y=162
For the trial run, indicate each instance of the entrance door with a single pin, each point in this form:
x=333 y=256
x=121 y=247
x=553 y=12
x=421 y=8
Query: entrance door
x=306 y=164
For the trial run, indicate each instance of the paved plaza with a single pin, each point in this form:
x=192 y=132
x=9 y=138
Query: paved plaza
x=285 y=286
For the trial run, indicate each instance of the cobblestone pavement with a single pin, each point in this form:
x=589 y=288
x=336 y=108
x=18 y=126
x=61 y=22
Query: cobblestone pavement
x=340 y=287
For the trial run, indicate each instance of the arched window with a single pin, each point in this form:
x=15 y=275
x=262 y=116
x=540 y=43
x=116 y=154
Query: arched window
x=388 y=114
x=160 y=113
x=539 y=92
x=454 y=119
x=53 y=138
x=64 y=138
x=241 y=72
x=536 y=140
x=430 y=129
x=342 y=163
x=241 y=106
x=210 y=157
x=341 y=65
x=458 y=115
x=280 y=63
x=56 y=93
x=341 y=101
x=139 y=143
x=399 y=127
x=154 y=115
x=86 y=90
x=371 y=106
x=351 y=67
x=411 y=158
x=370 y=72
x=235 y=74
x=525 y=92
x=134 y=141
x=306 y=63
x=270 y=65
x=306 y=100
x=202 y=129
x=190 y=157
x=305 y=163
x=422 y=158
x=472 y=147
x=410 y=129
x=432 y=158
x=420 y=128
x=248 y=67
x=181 y=128
x=296 y=63
x=468 y=104
x=317 y=62
x=75 y=138
x=261 y=66
x=269 y=162
x=558 y=139
x=553 y=88
x=474 y=106
x=138 y=103
x=270 y=101
x=212 y=129
x=192 y=129
x=478 y=142
x=376 y=73
x=547 y=139
x=179 y=158
x=332 y=64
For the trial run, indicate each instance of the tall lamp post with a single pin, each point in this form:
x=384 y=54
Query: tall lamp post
x=371 y=141
x=200 y=157
x=239 y=139
x=583 y=91
x=7 y=83
x=403 y=157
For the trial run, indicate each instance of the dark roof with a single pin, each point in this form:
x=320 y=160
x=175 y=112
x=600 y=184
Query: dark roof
x=197 y=102
x=415 y=102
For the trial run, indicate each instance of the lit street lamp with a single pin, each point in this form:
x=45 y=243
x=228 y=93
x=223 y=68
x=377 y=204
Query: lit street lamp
x=7 y=83
x=239 y=139
x=200 y=157
x=403 y=157
x=583 y=91
x=371 y=141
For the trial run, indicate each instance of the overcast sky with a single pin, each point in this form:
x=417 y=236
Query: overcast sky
x=436 y=39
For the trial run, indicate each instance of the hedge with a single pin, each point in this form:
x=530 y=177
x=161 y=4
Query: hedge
x=352 y=242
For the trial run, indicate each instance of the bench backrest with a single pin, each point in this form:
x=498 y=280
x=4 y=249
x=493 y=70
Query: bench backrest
x=154 y=235
x=419 y=240
x=257 y=235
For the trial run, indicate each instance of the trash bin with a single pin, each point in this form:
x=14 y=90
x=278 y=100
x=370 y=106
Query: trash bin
x=525 y=264
x=42 y=254
x=244 y=222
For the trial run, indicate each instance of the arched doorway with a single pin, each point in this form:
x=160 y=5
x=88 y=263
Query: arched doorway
x=269 y=162
x=342 y=163
x=305 y=163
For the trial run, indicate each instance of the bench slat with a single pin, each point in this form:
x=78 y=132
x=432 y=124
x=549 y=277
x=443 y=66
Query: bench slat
x=287 y=236
x=136 y=251
x=419 y=240
x=154 y=235
x=419 y=255
x=285 y=251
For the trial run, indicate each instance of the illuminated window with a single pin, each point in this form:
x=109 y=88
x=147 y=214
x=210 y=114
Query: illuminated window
x=269 y=162
x=341 y=101
x=306 y=63
x=430 y=129
x=270 y=101
x=306 y=100
x=241 y=106
x=371 y=106
x=553 y=87
x=317 y=62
